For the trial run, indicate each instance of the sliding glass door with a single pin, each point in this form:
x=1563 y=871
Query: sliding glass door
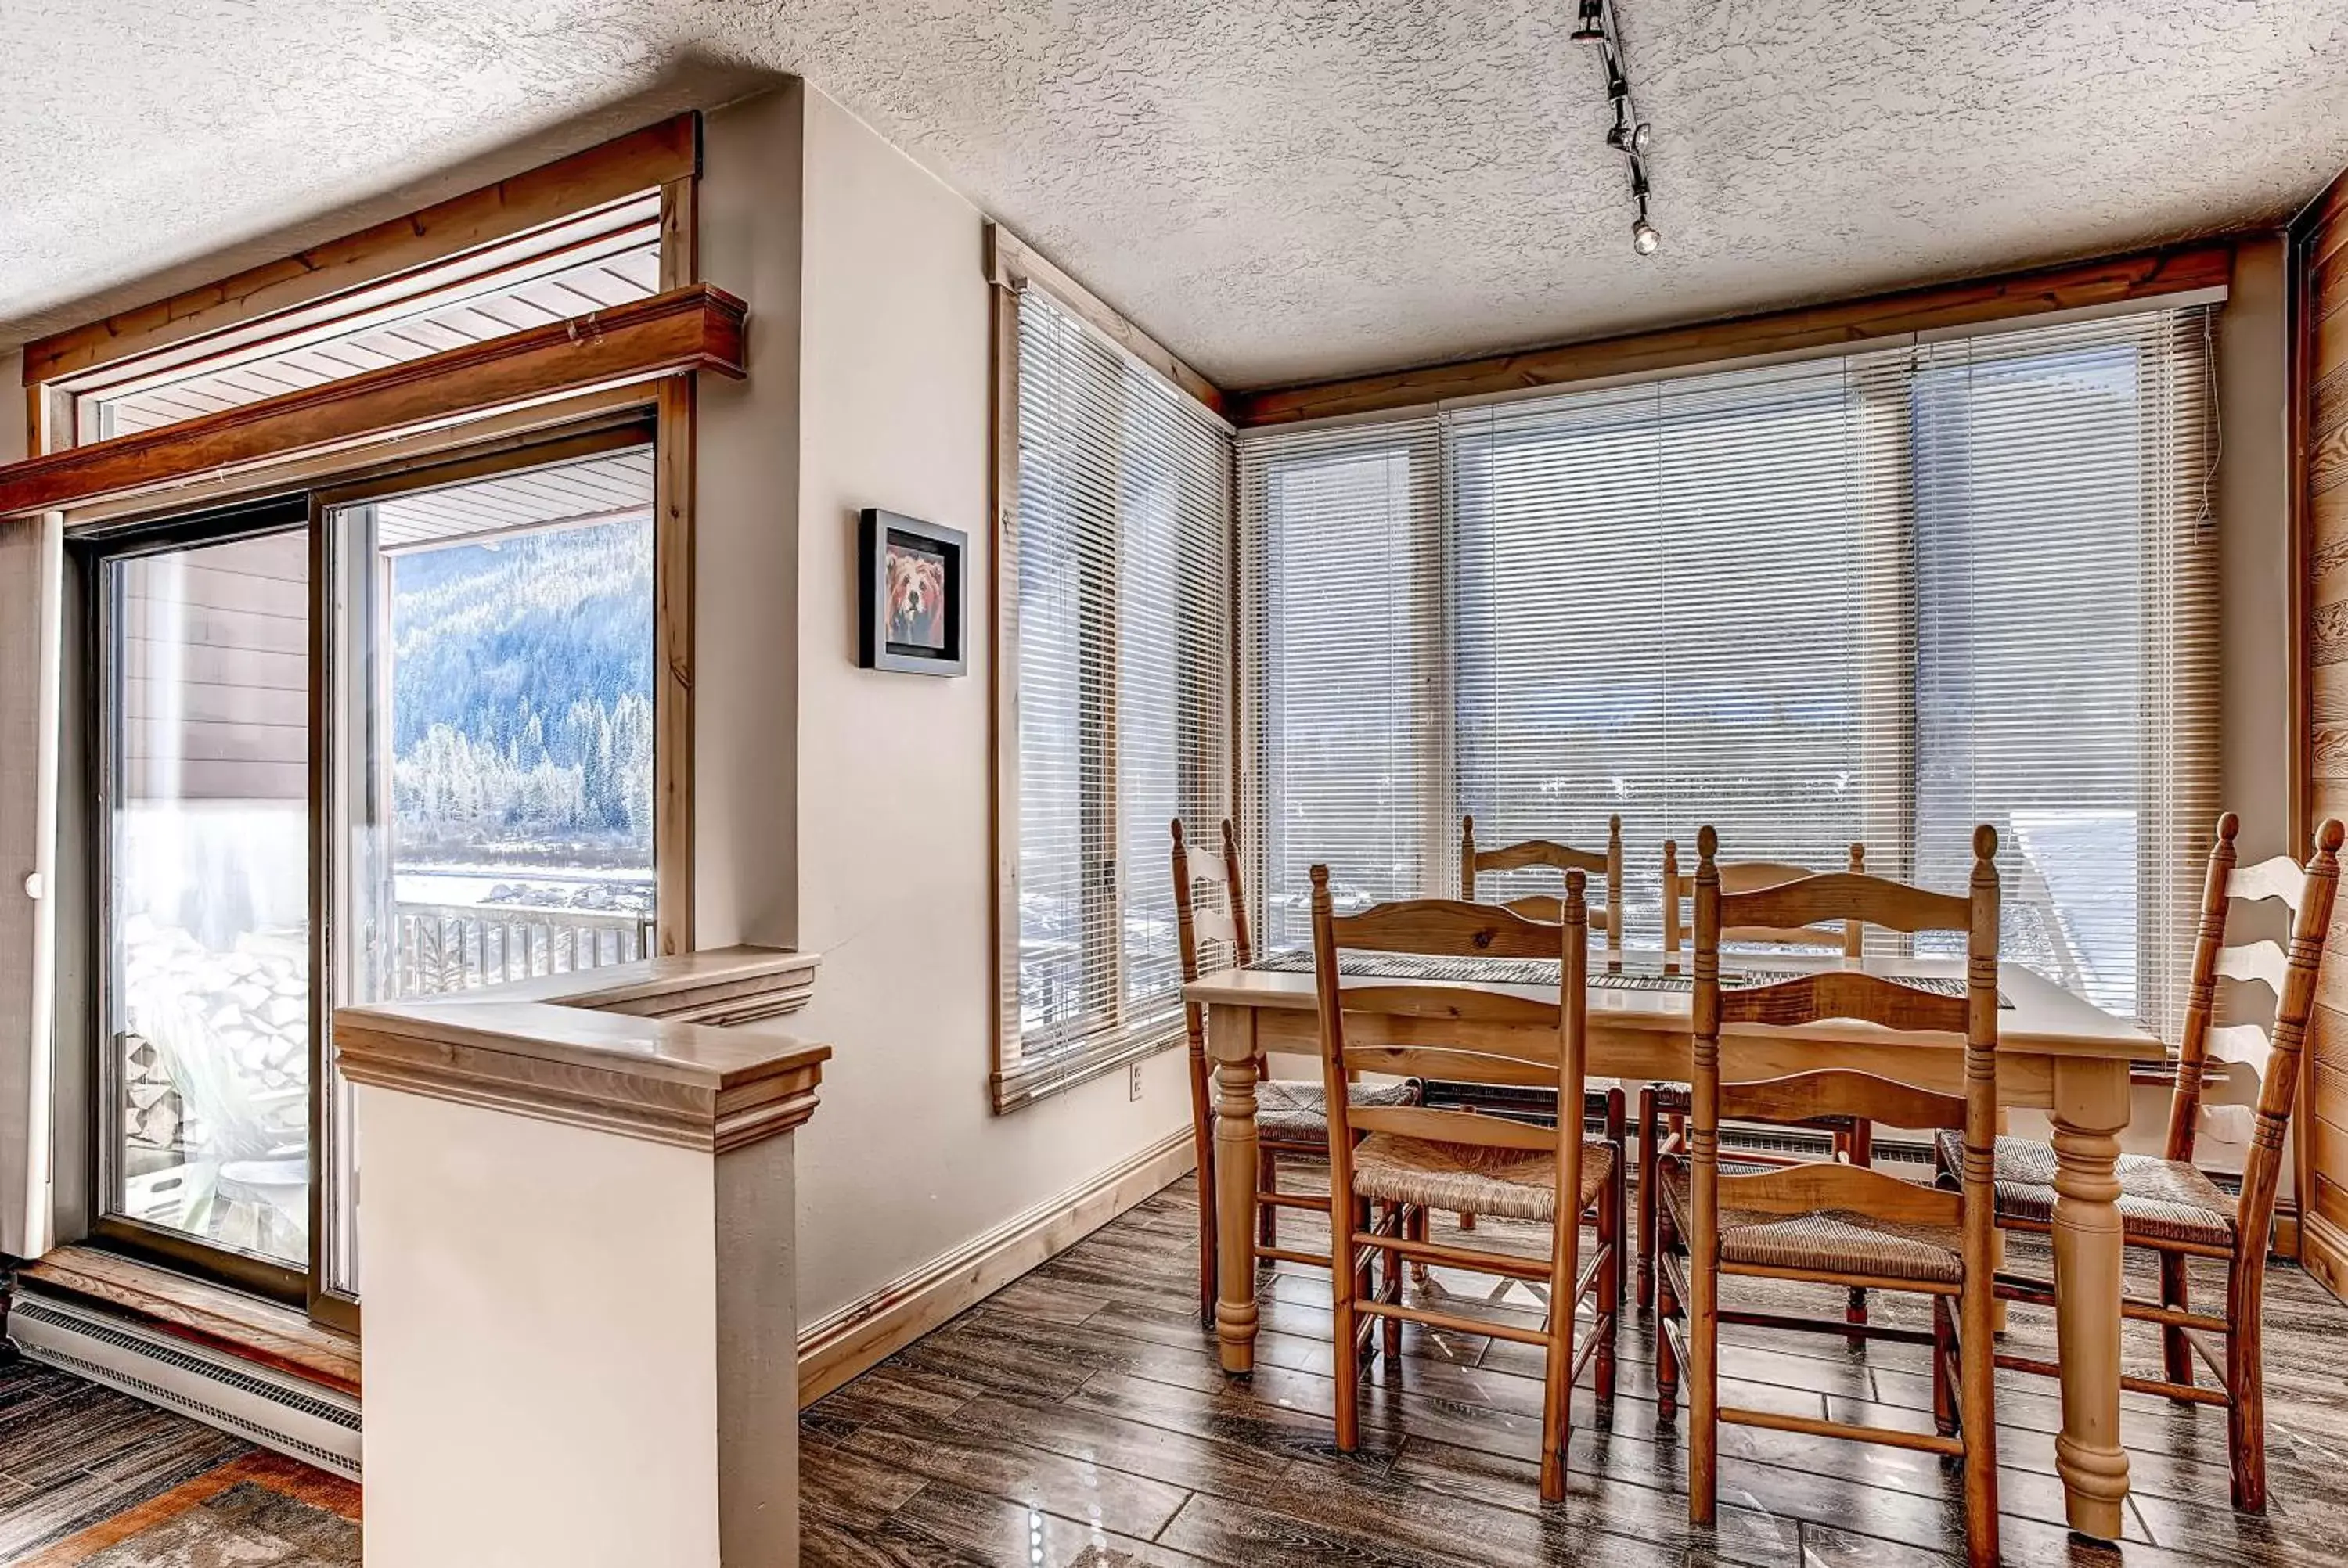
x=205 y=893
x=367 y=746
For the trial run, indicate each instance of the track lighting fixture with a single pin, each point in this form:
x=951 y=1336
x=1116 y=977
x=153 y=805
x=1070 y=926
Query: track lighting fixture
x=1629 y=135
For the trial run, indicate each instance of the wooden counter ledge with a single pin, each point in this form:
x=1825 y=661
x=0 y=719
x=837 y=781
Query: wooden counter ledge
x=646 y=1049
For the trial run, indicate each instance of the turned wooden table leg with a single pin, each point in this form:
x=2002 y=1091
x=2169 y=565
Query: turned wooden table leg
x=2091 y=1106
x=1230 y=1037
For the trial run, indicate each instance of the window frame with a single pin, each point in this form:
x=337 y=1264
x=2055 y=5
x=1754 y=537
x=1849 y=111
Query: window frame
x=1016 y=1078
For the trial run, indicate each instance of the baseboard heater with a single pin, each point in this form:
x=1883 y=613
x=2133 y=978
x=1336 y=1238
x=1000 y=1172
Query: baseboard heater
x=316 y=1425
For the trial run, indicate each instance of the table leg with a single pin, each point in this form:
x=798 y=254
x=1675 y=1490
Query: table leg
x=2091 y=1106
x=1232 y=1037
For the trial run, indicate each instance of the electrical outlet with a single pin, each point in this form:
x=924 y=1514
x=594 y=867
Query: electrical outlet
x=1133 y=1080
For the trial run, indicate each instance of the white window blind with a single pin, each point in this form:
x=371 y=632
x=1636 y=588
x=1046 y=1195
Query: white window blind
x=1875 y=597
x=1117 y=592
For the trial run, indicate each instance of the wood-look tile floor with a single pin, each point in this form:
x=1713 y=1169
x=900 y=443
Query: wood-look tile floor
x=1079 y=1418
x=91 y=1475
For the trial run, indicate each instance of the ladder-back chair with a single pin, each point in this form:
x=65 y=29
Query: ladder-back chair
x=2166 y=1204
x=1291 y=1119
x=1829 y=1222
x=1662 y=1107
x=1421 y=1159
x=1565 y=859
x=1561 y=857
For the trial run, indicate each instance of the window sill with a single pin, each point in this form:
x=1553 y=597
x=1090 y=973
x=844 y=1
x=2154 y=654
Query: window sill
x=1025 y=1085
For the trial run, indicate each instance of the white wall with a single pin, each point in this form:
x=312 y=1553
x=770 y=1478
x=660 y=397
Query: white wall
x=906 y=1160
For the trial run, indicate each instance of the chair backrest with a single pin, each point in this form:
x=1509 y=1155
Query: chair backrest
x=1548 y=852
x=1485 y=1034
x=1192 y=924
x=1845 y=993
x=2272 y=1056
x=1743 y=876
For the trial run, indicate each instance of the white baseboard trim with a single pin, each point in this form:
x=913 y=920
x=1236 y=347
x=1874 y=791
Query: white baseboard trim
x=840 y=1346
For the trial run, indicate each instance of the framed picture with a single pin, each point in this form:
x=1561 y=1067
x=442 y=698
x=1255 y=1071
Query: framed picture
x=912 y=574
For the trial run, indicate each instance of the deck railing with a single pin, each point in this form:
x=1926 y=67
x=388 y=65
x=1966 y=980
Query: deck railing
x=443 y=948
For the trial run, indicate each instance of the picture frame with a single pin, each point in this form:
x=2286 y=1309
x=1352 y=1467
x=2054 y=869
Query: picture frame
x=913 y=591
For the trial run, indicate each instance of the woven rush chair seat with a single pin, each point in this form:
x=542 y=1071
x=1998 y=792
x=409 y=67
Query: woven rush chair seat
x=1827 y=1243
x=2169 y=1199
x=1514 y=1183
x=1290 y=1110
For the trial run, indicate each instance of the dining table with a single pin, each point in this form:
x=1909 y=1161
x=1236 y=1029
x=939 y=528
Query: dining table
x=2057 y=1053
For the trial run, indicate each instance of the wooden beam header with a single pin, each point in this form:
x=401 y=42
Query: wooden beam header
x=1010 y=264
x=2011 y=296
x=683 y=330
x=625 y=165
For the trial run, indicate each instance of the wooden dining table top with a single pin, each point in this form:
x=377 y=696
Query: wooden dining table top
x=2042 y=1017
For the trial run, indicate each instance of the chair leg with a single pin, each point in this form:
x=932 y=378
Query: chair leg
x=1390 y=1268
x=1944 y=1352
x=1202 y=1116
x=2177 y=1355
x=1341 y=1327
x=1977 y=1419
x=1267 y=1215
x=1647 y=1139
x=1609 y=1287
x=2246 y=1390
x=1617 y=1193
x=1858 y=1148
x=1703 y=1387
x=1667 y=1310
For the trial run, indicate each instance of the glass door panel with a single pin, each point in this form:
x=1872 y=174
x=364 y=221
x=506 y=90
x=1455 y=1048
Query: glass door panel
x=492 y=747
x=206 y=1132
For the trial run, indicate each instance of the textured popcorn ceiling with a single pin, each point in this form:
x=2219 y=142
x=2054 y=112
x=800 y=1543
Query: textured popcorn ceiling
x=1278 y=188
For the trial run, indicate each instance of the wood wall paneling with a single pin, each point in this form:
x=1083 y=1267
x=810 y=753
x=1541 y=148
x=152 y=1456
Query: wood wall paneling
x=2318 y=251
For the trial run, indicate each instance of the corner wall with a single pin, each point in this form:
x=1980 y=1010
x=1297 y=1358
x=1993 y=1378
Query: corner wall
x=890 y=817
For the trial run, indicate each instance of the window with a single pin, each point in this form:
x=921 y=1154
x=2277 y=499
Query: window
x=1878 y=597
x=585 y=263
x=1116 y=585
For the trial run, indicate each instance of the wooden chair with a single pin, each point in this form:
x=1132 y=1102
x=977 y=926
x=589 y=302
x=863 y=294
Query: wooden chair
x=1561 y=858
x=1565 y=859
x=1290 y=1119
x=1421 y=1159
x=2166 y=1204
x=1662 y=1107
x=1829 y=1222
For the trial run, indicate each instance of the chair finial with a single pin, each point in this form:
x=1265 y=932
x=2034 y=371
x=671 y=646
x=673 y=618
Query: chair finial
x=1708 y=842
x=2229 y=825
x=1231 y=839
x=2328 y=836
x=1177 y=836
x=1985 y=843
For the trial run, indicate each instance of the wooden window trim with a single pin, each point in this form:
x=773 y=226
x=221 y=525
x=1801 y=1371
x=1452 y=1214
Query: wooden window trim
x=683 y=330
x=1010 y=267
x=2147 y=274
x=629 y=165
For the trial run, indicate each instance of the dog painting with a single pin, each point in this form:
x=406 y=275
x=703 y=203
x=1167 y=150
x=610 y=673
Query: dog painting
x=917 y=594
x=910 y=577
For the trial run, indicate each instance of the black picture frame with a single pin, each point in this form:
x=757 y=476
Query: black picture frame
x=913 y=590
